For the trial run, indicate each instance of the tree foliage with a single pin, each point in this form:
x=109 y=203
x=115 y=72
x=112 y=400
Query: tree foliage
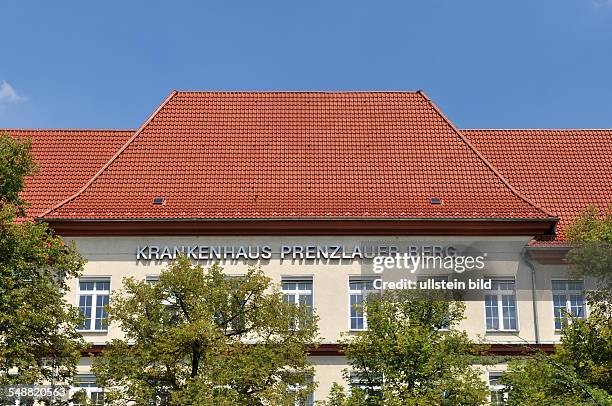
x=198 y=336
x=38 y=338
x=547 y=380
x=408 y=357
x=591 y=253
x=580 y=371
x=16 y=164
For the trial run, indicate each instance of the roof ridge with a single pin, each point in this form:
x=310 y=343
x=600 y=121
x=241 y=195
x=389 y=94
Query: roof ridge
x=112 y=159
x=299 y=91
x=482 y=158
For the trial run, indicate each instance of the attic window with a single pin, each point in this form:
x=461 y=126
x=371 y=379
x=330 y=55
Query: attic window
x=158 y=201
x=436 y=200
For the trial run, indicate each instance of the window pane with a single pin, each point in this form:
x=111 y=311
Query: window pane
x=152 y=279
x=355 y=285
x=559 y=285
x=495 y=389
x=491 y=312
x=361 y=284
x=497 y=398
x=356 y=312
x=559 y=306
x=85 y=307
x=305 y=286
x=86 y=285
x=97 y=398
x=289 y=286
x=102 y=285
x=358 y=290
x=101 y=314
x=306 y=300
x=509 y=312
x=577 y=305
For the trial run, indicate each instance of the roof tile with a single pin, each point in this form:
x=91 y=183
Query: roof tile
x=66 y=160
x=297 y=154
x=563 y=171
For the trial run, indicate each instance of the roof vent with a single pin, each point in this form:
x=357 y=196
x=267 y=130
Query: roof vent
x=436 y=200
x=158 y=201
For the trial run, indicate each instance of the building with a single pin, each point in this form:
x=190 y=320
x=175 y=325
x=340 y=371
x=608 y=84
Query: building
x=215 y=172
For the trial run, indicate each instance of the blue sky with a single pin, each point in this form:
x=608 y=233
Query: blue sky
x=487 y=64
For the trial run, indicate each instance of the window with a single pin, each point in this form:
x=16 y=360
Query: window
x=568 y=299
x=496 y=391
x=236 y=305
x=359 y=289
x=152 y=279
x=307 y=401
x=500 y=306
x=358 y=381
x=298 y=292
x=92 y=298
x=87 y=385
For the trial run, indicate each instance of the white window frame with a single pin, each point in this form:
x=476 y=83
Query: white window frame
x=310 y=399
x=495 y=387
x=500 y=307
x=364 y=293
x=91 y=387
x=95 y=297
x=297 y=293
x=568 y=304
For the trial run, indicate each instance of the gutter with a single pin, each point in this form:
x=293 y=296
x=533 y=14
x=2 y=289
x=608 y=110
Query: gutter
x=534 y=303
x=297 y=219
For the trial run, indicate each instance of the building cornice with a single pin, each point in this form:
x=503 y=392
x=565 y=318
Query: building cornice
x=302 y=227
x=339 y=349
x=548 y=255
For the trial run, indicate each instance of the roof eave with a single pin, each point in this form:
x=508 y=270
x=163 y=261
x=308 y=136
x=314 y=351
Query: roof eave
x=304 y=226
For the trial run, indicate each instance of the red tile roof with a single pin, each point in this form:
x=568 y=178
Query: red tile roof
x=66 y=160
x=562 y=171
x=297 y=155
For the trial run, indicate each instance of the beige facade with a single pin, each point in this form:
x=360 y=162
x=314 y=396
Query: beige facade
x=116 y=258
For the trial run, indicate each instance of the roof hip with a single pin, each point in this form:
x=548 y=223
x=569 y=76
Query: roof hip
x=112 y=159
x=482 y=158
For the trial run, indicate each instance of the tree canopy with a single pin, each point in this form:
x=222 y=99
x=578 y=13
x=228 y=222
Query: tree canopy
x=15 y=165
x=411 y=354
x=199 y=336
x=580 y=371
x=38 y=337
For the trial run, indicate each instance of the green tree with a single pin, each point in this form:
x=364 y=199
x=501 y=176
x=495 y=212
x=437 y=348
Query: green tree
x=591 y=253
x=15 y=165
x=408 y=357
x=38 y=337
x=549 y=380
x=201 y=337
x=580 y=371
x=587 y=343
